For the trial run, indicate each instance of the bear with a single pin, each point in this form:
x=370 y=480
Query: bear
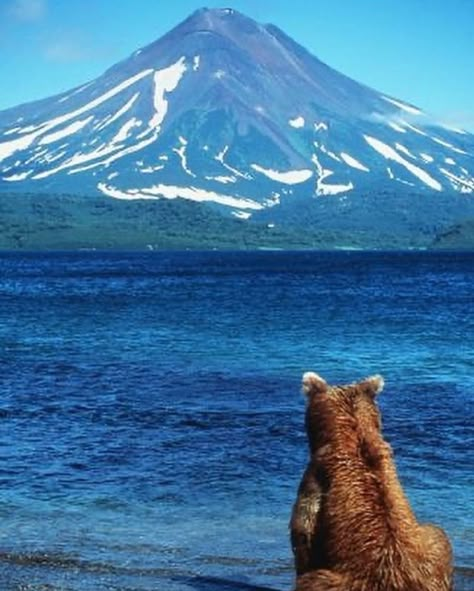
x=352 y=527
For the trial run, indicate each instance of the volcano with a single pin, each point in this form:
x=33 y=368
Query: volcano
x=235 y=115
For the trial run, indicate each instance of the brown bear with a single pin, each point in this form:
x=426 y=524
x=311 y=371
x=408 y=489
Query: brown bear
x=352 y=528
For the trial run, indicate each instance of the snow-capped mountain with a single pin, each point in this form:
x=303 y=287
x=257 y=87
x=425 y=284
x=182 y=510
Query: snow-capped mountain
x=234 y=113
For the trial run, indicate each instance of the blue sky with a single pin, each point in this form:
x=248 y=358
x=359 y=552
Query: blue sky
x=421 y=51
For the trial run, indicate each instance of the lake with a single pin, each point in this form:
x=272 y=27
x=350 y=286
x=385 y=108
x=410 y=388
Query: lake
x=152 y=432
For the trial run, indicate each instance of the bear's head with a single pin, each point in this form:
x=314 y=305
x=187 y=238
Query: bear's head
x=349 y=411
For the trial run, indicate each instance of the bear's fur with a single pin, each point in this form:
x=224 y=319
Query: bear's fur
x=352 y=528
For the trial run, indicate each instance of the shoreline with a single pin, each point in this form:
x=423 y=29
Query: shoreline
x=52 y=571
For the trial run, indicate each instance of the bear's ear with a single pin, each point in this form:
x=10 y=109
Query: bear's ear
x=313 y=384
x=373 y=385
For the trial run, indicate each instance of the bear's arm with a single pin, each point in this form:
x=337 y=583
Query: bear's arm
x=304 y=523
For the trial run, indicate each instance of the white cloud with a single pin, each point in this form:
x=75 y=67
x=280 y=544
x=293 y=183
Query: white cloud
x=27 y=10
x=72 y=45
x=64 y=50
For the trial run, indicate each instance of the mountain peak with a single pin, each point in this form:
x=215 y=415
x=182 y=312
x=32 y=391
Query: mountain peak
x=224 y=21
x=216 y=15
x=205 y=29
x=218 y=12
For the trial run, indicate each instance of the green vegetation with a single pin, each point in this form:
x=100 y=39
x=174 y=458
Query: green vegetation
x=63 y=222
x=457 y=237
x=56 y=222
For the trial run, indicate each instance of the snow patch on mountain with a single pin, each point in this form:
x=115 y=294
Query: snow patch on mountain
x=404 y=182
x=403 y=106
x=406 y=151
x=222 y=179
x=148 y=169
x=243 y=215
x=391 y=154
x=220 y=158
x=323 y=188
x=17 y=177
x=448 y=145
x=455 y=129
x=128 y=105
x=297 y=122
x=9 y=148
x=124 y=132
x=119 y=194
x=99 y=100
x=426 y=157
x=12 y=131
x=351 y=161
x=52 y=157
x=77 y=91
x=462 y=184
x=165 y=81
x=289 y=177
x=62 y=133
x=181 y=151
x=397 y=127
x=415 y=129
x=320 y=126
x=329 y=153
x=115 y=150
x=173 y=192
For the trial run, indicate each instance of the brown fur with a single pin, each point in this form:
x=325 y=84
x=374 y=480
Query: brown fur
x=352 y=527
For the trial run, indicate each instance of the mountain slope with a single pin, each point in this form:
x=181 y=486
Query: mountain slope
x=234 y=114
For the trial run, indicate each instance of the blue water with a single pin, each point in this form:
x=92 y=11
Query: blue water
x=151 y=425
